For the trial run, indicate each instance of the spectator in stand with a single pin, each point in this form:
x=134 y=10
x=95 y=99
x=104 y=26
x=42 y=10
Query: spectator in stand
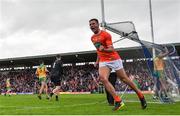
x=77 y=79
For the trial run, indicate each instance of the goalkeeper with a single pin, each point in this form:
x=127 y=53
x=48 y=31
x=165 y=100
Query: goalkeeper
x=159 y=73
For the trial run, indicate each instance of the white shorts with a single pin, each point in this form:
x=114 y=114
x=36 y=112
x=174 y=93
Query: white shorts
x=114 y=65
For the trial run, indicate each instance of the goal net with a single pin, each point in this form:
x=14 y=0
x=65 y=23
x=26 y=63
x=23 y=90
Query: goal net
x=166 y=81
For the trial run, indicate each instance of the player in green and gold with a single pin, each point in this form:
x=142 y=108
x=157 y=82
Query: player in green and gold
x=41 y=73
x=8 y=87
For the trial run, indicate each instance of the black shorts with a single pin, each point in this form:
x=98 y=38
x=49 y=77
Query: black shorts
x=56 y=80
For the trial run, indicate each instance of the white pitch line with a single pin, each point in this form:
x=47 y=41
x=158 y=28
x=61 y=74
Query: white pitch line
x=73 y=105
x=36 y=107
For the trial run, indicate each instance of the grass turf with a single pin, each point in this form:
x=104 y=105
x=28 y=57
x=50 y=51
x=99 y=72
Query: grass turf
x=88 y=104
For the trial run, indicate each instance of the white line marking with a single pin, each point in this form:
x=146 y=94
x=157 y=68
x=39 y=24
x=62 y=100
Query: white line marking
x=73 y=105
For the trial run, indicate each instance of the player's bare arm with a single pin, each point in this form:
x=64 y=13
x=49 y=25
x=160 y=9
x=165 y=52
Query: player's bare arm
x=108 y=49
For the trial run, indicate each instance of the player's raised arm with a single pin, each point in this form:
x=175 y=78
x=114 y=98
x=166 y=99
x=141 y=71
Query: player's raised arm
x=163 y=54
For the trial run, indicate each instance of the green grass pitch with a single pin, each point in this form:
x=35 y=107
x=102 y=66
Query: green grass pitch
x=87 y=104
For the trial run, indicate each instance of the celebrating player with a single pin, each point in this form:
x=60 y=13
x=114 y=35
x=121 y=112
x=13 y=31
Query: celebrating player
x=108 y=59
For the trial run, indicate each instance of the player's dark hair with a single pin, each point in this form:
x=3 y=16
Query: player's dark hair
x=58 y=56
x=41 y=61
x=94 y=19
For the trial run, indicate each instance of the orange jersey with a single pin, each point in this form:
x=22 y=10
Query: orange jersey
x=104 y=38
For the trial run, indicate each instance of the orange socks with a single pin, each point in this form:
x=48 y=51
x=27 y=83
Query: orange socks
x=117 y=99
x=140 y=95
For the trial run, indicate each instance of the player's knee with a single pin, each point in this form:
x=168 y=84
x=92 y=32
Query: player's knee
x=125 y=79
x=103 y=79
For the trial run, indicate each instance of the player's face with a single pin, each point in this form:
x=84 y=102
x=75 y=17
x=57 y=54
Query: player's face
x=94 y=26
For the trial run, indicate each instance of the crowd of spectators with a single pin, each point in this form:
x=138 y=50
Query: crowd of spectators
x=81 y=78
x=22 y=81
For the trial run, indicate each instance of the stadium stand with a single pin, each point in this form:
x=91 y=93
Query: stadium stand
x=78 y=71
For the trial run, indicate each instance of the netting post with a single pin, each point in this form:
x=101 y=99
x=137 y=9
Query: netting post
x=103 y=15
x=152 y=31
